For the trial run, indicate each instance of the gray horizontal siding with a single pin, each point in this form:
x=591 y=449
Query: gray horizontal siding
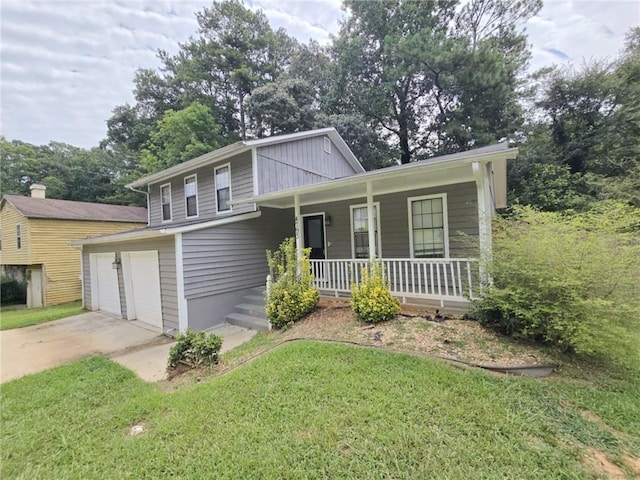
x=232 y=257
x=302 y=162
x=394 y=221
x=241 y=187
x=167 y=263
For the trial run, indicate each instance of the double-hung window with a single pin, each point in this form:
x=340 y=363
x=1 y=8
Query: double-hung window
x=191 y=195
x=428 y=227
x=18 y=236
x=360 y=230
x=165 y=202
x=223 y=188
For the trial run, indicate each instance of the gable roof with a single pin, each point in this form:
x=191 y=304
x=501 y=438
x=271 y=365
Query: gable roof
x=245 y=146
x=70 y=210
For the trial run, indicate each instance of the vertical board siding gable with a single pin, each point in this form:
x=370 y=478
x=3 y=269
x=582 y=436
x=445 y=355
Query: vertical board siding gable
x=297 y=163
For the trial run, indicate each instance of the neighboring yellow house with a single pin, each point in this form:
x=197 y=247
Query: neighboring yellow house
x=34 y=240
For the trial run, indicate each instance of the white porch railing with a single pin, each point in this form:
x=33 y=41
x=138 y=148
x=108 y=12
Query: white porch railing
x=432 y=278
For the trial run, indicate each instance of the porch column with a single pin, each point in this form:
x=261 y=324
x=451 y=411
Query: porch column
x=298 y=226
x=371 y=222
x=485 y=212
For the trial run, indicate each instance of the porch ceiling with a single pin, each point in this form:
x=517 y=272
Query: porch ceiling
x=356 y=187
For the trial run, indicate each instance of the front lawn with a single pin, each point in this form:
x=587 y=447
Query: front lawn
x=23 y=317
x=315 y=410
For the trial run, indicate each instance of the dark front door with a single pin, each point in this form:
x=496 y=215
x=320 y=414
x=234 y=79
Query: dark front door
x=314 y=235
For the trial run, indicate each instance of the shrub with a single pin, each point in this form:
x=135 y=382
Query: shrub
x=371 y=299
x=194 y=348
x=12 y=292
x=569 y=280
x=291 y=294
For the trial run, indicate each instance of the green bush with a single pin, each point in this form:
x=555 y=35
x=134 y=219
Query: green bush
x=194 y=348
x=371 y=299
x=291 y=294
x=570 y=280
x=12 y=292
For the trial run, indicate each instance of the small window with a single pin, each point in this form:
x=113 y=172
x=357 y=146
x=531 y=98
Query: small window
x=191 y=195
x=223 y=188
x=360 y=230
x=428 y=226
x=18 y=237
x=165 y=201
x=327 y=145
x=0 y=239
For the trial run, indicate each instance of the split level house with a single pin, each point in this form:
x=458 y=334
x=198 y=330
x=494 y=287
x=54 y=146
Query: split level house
x=201 y=260
x=35 y=233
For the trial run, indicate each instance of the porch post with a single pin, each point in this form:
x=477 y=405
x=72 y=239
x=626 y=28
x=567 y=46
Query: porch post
x=298 y=226
x=485 y=213
x=371 y=222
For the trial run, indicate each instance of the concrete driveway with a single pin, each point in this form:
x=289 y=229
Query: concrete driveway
x=33 y=349
x=131 y=344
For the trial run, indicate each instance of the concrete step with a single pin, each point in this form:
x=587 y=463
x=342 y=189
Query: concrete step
x=258 y=291
x=252 y=310
x=248 y=321
x=254 y=300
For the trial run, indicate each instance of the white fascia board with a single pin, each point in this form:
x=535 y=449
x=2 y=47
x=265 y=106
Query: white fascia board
x=118 y=237
x=410 y=169
x=212 y=223
x=128 y=236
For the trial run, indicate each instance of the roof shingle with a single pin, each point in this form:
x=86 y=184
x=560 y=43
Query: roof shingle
x=70 y=210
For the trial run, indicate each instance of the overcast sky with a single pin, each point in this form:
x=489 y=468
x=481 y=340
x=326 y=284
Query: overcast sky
x=67 y=64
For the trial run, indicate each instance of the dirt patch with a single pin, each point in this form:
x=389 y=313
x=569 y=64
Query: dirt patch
x=454 y=338
x=598 y=463
x=633 y=463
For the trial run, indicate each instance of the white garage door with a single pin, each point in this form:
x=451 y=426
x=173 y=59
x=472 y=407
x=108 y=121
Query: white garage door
x=105 y=292
x=142 y=286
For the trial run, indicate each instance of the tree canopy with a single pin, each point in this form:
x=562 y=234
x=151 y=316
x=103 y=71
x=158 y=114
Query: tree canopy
x=401 y=81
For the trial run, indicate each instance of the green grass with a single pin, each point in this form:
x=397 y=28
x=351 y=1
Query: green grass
x=309 y=410
x=24 y=317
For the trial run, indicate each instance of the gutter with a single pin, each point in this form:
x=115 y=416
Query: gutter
x=130 y=187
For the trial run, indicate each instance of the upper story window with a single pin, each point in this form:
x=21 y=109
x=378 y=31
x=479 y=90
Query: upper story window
x=191 y=195
x=360 y=230
x=428 y=228
x=223 y=188
x=165 y=202
x=18 y=236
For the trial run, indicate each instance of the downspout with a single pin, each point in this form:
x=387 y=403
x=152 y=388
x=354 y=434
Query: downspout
x=148 y=206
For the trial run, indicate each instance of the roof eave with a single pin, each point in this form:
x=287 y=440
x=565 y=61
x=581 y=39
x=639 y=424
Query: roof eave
x=214 y=156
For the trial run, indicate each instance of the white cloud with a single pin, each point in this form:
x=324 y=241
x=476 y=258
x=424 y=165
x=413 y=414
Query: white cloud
x=67 y=64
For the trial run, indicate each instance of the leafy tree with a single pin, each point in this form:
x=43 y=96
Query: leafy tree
x=283 y=106
x=585 y=142
x=68 y=172
x=433 y=87
x=180 y=136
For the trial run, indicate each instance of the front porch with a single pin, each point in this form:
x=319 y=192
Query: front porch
x=442 y=279
x=428 y=222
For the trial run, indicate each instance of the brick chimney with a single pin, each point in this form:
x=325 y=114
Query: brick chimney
x=37 y=190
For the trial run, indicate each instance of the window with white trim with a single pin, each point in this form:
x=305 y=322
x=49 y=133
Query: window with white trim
x=360 y=230
x=165 y=202
x=191 y=195
x=18 y=236
x=223 y=188
x=428 y=226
